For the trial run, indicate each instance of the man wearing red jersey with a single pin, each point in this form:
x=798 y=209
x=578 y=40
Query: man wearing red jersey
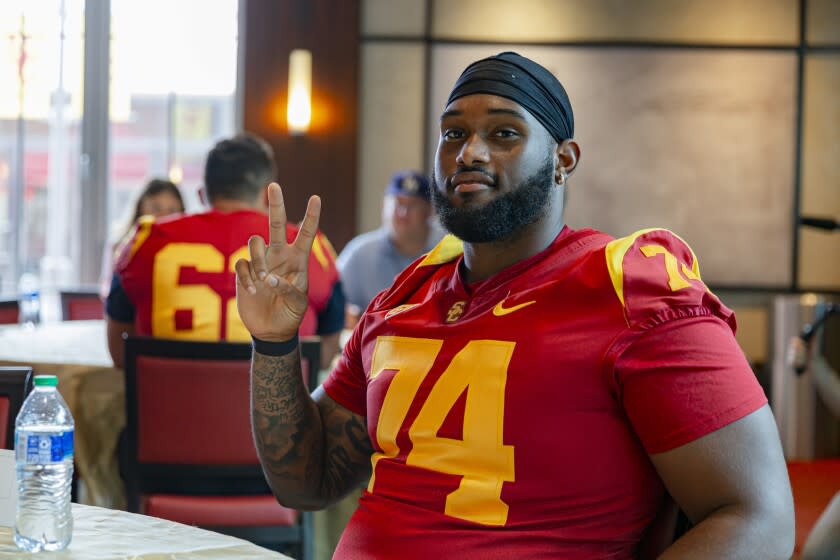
x=527 y=391
x=175 y=279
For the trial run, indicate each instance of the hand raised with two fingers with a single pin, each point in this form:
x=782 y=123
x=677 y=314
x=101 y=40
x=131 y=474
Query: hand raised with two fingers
x=272 y=284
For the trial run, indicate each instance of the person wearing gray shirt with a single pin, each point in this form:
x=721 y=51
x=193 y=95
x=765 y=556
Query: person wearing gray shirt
x=370 y=261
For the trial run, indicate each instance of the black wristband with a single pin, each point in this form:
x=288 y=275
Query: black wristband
x=275 y=349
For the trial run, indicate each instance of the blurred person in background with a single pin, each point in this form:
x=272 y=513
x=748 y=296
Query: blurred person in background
x=804 y=355
x=370 y=262
x=158 y=198
x=823 y=542
x=174 y=279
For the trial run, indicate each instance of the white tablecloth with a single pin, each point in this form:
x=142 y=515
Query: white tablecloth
x=77 y=352
x=104 y=534
x=66 y=342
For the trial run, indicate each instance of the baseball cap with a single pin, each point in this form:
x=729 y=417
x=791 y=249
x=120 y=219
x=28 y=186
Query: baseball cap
x=409 y=183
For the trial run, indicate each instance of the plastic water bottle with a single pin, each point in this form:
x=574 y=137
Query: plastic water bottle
x=44 y=456
x=29 y=300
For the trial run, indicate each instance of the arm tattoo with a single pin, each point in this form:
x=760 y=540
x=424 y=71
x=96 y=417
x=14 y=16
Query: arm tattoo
x=311 y=453
x=348 y=450
x=284 y=419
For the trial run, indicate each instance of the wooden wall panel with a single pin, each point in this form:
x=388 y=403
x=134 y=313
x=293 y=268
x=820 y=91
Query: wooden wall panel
x=324 y=160
x=819 y=256
x=390 y=135
x=745 y=22
x=823 y=22
x=394 y=17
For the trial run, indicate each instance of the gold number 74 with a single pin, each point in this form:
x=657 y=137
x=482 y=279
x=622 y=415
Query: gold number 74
x=678 y=273
x=481 y=458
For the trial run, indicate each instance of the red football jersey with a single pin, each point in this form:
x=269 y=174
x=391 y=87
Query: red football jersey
x=513 y=418
x=179 y=274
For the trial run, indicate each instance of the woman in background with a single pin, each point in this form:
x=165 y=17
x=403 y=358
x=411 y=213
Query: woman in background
x=159 y=198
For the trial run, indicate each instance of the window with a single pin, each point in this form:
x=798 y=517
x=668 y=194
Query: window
x=40 y=111
x=172 y=96
x=173 y=82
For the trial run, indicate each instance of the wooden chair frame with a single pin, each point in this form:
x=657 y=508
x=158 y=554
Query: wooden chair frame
x=15 y=384
x=68 y=296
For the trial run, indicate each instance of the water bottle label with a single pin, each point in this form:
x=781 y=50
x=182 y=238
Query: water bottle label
x=39 y=449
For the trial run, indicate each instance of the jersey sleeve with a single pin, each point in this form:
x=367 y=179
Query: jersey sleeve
x=117 y=305
x=684 y=379
x=132 y=266
x=676 y=367
x=324 y=254
x=323 y=274
x=347 y=384
x=331 y=318
x=656 y=277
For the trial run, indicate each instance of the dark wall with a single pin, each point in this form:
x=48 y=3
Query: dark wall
x=324 y=160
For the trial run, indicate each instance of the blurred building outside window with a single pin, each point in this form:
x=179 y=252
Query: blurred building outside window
x=40 y=115
x=172 y=96
x=173 y=85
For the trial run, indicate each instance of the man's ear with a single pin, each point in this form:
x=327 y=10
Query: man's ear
x=202 y=196
x=566 y=160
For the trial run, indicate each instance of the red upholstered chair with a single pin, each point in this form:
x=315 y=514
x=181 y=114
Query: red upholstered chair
x=814 y=484
x=81 y=305
x=8 y=311
x=15 y=385
x=190 y=455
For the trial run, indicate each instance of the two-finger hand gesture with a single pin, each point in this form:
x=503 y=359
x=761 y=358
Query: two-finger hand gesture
x=271 y=285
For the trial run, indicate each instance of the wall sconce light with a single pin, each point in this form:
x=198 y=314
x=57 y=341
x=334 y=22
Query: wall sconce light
x=299 y=108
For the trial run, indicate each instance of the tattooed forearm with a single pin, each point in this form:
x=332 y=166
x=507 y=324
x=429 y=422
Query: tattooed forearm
x=312 y=452
x=348 y=451
x=286 y=425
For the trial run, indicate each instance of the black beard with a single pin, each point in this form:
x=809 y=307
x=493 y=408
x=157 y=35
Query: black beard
x=501 y=218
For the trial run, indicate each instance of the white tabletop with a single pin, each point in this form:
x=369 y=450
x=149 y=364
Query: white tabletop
x=105 y=534
x=66 y=342
x=77 y=352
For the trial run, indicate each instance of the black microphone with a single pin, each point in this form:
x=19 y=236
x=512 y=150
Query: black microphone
x=811 y=328
x=819 y=223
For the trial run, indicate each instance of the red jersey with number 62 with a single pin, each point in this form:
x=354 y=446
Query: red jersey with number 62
x=513 y=418
x=179 y=274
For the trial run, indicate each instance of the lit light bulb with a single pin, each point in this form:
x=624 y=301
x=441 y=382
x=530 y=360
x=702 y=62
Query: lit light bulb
x=299 y=107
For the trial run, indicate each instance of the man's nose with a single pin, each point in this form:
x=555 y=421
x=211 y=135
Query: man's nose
x=474 y=150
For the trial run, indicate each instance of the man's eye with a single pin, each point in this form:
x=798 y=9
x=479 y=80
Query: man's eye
x=452 y=134
x=506 y=133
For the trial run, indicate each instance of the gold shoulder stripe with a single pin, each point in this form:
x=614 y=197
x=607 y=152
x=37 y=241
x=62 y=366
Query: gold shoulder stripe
x=141 y=233
x=616 y=250
x=448 y=249
x=328 y=246
x=318 y=251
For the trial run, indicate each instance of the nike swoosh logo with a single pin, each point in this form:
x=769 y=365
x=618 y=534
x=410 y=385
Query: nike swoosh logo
x=400 y=309
x=501 y=310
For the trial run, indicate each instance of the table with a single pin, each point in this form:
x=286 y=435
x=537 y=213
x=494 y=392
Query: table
x=77 y=352
x=105 y=534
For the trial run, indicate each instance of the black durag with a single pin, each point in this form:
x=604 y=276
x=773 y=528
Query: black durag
x=522 y=80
